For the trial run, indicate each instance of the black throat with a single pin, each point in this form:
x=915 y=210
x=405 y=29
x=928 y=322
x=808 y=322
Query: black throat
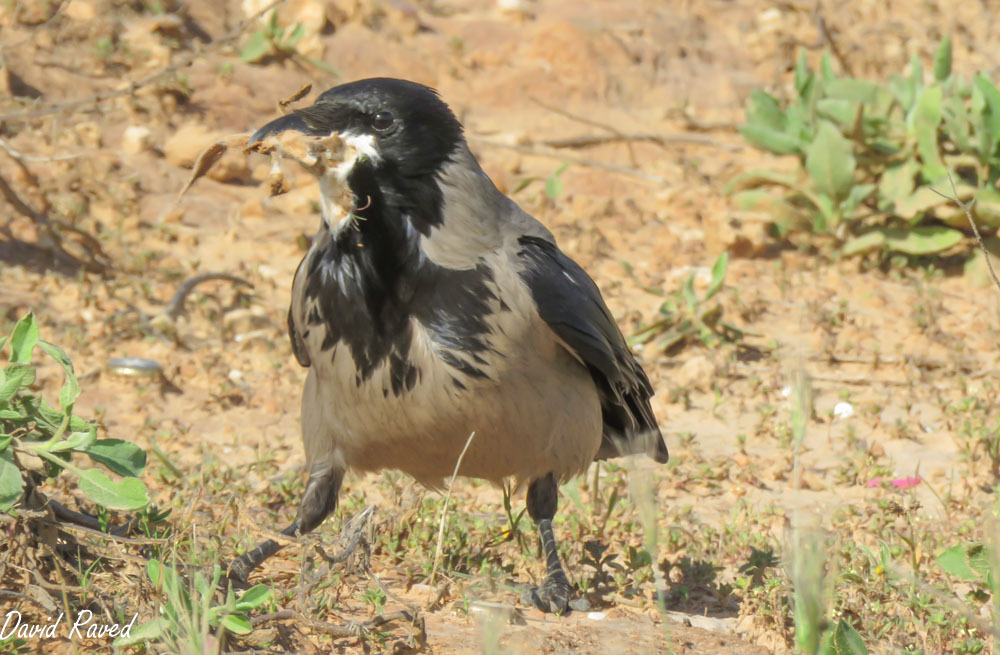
x=368 y=281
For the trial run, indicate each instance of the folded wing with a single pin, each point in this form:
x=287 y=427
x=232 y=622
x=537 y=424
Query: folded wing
x=571 y=304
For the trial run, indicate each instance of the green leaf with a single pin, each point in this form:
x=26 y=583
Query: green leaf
x=554 y=184
x=864 y=243
x=298 y=31
x=991 y=111
x=148 y=631
x=826 y=217
x=127 y=494
x=75 y=441
x=862 y=91
x=942 y=60
x=256 y=47
x=826 y=69
x=800 y=124
x=956 y=564
x=857 y=195
x=804 y=78
x=830 y=162
x=987 y=207
x=122 y=457
x=903 y=90
x=23 y=339
x=252 y=598
x=923 y=239
x=979 y=561
x=956 y=119
x=688 y=292
x=71 y=388
x=763 y=109
x=237 y=624
x=916 y=74
x=52 y=416
x=11 y=482
x=846 y=640
x=841 y=111
x=769 y=139
x=920 y=240
x=16 y=377
x=718 y=275
x=921 y=200
x=925 y=121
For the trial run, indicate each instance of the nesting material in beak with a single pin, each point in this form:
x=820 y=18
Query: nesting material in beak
x=329 y=158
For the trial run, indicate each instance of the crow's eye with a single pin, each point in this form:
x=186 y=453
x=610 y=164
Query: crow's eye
x=383 y=120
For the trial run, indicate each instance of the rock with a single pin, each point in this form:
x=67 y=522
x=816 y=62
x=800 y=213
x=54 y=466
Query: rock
x=184 y=146
x=136 y=139
x=82 y=10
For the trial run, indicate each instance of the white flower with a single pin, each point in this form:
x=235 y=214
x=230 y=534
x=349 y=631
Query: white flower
x=843 y=410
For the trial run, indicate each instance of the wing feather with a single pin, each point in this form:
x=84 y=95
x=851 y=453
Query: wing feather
x=570 y=302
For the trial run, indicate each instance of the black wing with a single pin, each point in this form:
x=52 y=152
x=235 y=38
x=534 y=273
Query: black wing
x=570 y=302
x=298 y=342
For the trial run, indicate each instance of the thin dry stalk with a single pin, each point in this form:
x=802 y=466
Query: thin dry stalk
x=967 y=208
x=444 y=511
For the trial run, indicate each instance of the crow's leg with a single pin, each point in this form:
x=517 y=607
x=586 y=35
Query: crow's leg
x=317 y=503
x=555 y=592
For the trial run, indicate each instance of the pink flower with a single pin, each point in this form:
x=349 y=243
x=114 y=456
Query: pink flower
x=906 y=483
x=874 y=482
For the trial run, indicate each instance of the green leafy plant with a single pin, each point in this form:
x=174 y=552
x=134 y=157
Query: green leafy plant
x=875 y=158
x=554 y=183
x=685 y=316
x=37 y=440
x=187 y=616
x=274 y=40
x=968 y=562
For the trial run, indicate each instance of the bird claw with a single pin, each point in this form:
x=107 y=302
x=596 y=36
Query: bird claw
x=555 y=597
x=238 y=574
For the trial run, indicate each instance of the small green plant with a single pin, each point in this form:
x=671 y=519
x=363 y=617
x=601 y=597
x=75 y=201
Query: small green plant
x=375 y=598
x=187 y=616
x=808 y=557
x=274 y=40
x=970 y=563
x=685 y=317
x=37 y=440
x=875 y=158
x=105 y=48
x=554 y=183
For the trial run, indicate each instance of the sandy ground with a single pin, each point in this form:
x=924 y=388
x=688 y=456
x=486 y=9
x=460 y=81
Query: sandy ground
x=899 y=347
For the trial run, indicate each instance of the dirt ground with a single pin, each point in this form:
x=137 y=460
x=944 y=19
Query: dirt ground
x=103 y=117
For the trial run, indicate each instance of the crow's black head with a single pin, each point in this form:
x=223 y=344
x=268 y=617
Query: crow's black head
x=410 y=127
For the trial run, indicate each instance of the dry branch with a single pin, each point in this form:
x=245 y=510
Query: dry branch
x=581 y=161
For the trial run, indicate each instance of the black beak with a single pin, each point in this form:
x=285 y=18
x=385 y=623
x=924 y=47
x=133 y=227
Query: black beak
x=287 y=122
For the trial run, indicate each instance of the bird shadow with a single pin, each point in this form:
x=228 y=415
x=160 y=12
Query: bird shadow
x=32 y=257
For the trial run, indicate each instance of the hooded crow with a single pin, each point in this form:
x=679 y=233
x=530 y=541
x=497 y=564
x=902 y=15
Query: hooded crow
x=436 y=308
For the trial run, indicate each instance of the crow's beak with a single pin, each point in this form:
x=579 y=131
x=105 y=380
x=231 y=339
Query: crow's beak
x=283 y=124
